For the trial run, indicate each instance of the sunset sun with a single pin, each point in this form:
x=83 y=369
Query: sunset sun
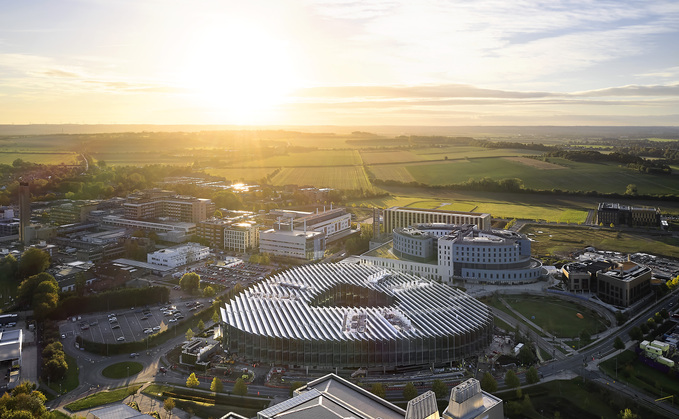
x=238 y=73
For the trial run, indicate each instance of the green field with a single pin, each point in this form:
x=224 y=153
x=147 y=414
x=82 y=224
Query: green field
x=563 y=210
x=640 y=375
x=555 y=315
x=39 y=158
x=572 y=176
x=315 y=158
x=345 y=177
x=392 y=172
x=102 y=397
x=250 y=174
x=550 y=240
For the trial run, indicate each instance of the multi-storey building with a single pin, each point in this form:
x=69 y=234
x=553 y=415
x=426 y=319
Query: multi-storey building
x=624 y=284
x=309 y=245
x=212 y=230
x=334 y=223
x=241 y=237
x=159 y=204
x=179 y=255
x=72 y=212
x=447 y=252
x=618 y=214
x=395 y=217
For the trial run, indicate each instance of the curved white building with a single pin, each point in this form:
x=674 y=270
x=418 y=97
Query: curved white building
x=447 y=252
x=342 y=315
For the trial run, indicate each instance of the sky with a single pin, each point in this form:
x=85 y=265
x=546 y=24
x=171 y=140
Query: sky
x=340 y=62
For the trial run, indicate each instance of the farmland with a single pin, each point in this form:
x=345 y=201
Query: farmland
x=343 y=177
x=39 y=158
x=310 y=158
x=249 y=174
x=565 y=239
x=574 y=176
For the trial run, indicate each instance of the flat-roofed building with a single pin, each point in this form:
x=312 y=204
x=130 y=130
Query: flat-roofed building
x=241 y=237
x=624 y=284
x=618 y=214
x=308 y=245
x=395 y=217
x=72 y=212
x=158 y=204
x=212 y=230
x=468 y=401
x=173 y=257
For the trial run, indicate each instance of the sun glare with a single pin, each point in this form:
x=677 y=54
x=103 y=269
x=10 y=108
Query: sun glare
x=239 y=73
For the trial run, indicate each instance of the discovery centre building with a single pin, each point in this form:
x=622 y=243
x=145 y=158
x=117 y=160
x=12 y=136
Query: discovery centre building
x=352 y=316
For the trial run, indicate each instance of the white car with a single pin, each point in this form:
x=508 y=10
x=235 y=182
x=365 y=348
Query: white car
x=120 y=339
x=156 y=328
x=172 y=320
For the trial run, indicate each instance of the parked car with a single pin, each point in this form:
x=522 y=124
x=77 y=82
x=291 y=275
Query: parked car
x=120 y=339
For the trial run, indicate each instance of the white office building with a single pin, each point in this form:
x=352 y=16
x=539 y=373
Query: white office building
x=173 y=257
x=309 y=245
x=241 y=237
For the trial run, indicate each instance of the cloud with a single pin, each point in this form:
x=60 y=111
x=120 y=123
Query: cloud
x=634 y=90
x=60 y=73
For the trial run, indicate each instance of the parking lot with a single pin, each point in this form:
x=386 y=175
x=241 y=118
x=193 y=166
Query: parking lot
x=131 y=324
x=244 y=274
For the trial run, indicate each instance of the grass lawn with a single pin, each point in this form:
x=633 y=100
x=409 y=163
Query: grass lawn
x=101 y=398
x=58 y=414
x=572 y=399
x=565 y=239
x=554 y=315
x=71 y=381
x=502 y=324
x=122 y=370
x=640 y=375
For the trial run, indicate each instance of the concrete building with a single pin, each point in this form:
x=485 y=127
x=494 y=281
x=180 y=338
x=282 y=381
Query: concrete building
x=72 y=212
x=241 y=237
x=212 y=230
x=581 y=276
x=11 y=348
x=332 y=397
x=168 y=230
x=624 y=284
x=468 y=401
x=395 y=217
x=447 y=252
x=173 y=257
x=153 y=204
x=334 y=223
x=24 y=211
x=618 y=214
x=309 y=245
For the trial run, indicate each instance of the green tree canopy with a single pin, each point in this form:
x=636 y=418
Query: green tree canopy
x=217 y=386
x=440 y=389
x=240 y=388
x=532 y=375
x=512 y=380
x=190 y=334
x=209 y=291
x=227 y=199
x=488 y=382
x=168 y=404
x=409 y=392
x=378 y=390
x=192 y=381
x=9 y=267
x=618 y=343
x=635 y=333
x=28 y=288
x=526 y=355
x=23 y=402
x=201 y=325
x=33 y=261
x=190 y=281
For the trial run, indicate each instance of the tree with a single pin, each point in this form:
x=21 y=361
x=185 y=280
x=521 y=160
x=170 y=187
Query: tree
x=192 y=381
x=33 y=261
x=190 y=281
x=618 y=343
x=217 y=386
x=635 y=333
x=215 y=316
x=190 y=334
x=512 y=380
x=168 y=405
x=440 y=389
x=409 y=392
x=227 y=199
x=378 y=390
x=631 y=190
x=55 y=369
x=627 y=414
x=488 y=382
x=526 y=355
x=9 y=267
x=240 y=388
x=209 y=291
x=23 y=402
x=532 y=375
x=201 y=325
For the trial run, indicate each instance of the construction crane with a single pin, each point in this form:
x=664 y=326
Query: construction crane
x=671 y=396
